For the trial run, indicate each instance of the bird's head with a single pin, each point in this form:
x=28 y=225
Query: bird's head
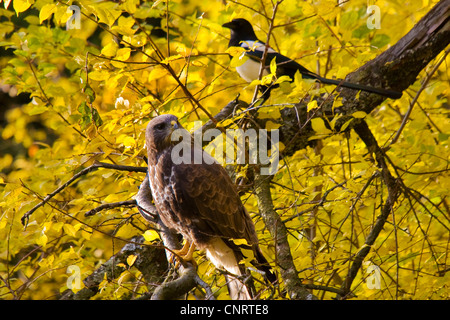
x=241 y=30
x=158 y=135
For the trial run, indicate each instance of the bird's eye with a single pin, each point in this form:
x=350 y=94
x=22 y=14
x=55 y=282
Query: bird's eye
x=160 y=126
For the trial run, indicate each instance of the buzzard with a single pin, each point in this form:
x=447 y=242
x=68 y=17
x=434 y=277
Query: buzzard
x=199 y=201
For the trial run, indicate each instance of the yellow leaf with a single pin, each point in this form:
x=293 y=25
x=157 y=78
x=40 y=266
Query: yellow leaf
x=22 y=5
x=272 y=125
x=125 y=26
x=46 y=11
x=240 y=242
x=318 y=126
x=308 y=9
x=42 y=240
x=337 y=103
x=235 y=51
x=326 y=7
x=131 y=259
x=269 y=113
x=312 y=105
x=98 y=75
x=123 y=277
x=151 y=235
x=267 y=80
x=129 y=141
x=359 y=114
x=238 y=60
x=156 y=3
x=123 y=54
x=273 y=66
x=70 y=230
x=105 y=13
x=110 y=49
x=342 y=72
x=283 y=79
x=157 y=73
x=113 y=197
x=86 y=235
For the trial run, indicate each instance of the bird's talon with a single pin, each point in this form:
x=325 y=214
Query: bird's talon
x=184 y=255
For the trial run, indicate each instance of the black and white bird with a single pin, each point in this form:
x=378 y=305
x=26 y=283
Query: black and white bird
x=243 y=35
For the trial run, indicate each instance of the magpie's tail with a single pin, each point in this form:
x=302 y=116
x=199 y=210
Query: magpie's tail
x=384 y=92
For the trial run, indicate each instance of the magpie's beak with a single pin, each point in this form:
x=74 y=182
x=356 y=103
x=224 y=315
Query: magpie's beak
x=229 y=25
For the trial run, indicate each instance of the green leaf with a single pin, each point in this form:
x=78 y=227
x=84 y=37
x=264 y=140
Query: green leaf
x=380 y=40
x=96 y=117
x=89 y=93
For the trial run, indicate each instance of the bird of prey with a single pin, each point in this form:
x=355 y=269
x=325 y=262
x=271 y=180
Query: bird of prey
x=243 y=35
x=199 y=201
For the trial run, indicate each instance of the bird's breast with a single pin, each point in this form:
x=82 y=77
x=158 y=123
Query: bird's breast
x=249 y=70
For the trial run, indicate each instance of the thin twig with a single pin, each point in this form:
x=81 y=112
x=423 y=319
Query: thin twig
x=262 y=66
x=83 y=172
x=105 y=206
x=413 y=102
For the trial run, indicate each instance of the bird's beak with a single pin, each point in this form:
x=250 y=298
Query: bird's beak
x=228 y=25
x=174 y=124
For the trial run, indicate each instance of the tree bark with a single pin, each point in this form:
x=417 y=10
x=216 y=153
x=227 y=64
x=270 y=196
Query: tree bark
x=278 y=232
x=397 y=68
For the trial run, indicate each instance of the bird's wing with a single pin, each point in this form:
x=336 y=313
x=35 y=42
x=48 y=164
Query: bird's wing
x=285 y=65
x=208 y=197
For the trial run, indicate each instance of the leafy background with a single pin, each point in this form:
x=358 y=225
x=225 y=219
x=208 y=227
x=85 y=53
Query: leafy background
x=72 y=97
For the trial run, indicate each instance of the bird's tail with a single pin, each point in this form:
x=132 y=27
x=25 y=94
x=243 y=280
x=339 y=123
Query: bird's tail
x=222 y=256
x=237 y=289
x=384 y=92
x=262 y=264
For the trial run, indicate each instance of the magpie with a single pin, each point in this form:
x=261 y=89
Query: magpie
x=243 y=35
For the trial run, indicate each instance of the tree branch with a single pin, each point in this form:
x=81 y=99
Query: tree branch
x=83 y=172
x=396 y=68
x=278 y=232
x=150 y=260
x=393 y=187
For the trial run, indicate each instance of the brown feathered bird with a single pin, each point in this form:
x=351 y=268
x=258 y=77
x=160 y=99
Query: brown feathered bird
x=200 y=201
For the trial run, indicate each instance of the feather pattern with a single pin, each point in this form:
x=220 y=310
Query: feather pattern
x=201 y=202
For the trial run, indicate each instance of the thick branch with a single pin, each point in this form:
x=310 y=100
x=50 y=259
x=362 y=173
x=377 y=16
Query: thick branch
x=150 y=261
x=278 y=232
x=399 y=66
x=396 y=68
